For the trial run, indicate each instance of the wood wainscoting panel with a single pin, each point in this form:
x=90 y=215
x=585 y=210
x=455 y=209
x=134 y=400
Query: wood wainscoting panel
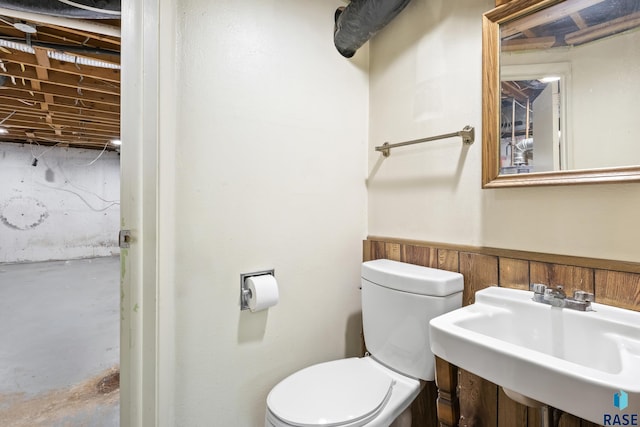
x=570 y=277
x=514 y=273
x=617 y=288
x=510 y=412
x=568 y=420
x=478 y=401
x=479 y=271
x=449 y=260
x=584 y=423
x=420 y=255
x=366 y=250
x=392 y=251
x=373 y=250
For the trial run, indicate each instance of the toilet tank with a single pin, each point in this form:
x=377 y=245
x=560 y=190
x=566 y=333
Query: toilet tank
x=398 y=301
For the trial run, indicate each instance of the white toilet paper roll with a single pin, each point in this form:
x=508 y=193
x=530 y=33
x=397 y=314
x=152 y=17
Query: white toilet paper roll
x=264 y=292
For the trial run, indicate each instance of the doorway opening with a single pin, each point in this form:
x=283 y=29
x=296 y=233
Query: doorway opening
x=59 y=218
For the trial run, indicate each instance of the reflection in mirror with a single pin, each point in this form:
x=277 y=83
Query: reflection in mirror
x=525 y=102
x=569 y=95
x=600 y=43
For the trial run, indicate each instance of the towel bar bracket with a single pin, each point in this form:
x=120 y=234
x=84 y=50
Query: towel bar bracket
x=467 y=134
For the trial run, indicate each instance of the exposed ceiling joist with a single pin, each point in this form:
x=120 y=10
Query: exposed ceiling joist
x=51 y=101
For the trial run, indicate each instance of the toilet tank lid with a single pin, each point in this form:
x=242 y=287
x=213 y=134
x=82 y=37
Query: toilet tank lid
x=412 y=278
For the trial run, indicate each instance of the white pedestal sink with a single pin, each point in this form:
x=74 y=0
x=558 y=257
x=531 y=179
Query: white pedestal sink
x=572 y=360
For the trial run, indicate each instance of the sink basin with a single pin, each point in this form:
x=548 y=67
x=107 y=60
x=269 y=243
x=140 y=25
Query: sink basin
x=572 y=360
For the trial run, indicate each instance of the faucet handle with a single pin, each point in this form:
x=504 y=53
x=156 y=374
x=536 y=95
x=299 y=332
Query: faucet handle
x=555 y=292
x=538 y=288
x=583 y=296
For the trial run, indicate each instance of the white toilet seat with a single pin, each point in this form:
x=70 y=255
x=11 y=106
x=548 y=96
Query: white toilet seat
x=343 y=393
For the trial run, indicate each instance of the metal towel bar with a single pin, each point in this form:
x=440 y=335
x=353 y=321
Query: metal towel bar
x=467 y=134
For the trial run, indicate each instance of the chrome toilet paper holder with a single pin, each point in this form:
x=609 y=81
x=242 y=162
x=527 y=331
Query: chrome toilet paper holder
x=245 y=292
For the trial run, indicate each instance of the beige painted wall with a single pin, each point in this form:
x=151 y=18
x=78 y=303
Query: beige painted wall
x=606 y=69
x=269 y=173
x=425 y=79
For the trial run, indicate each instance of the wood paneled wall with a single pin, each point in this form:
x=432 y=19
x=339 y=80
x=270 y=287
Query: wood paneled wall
x=482 y=403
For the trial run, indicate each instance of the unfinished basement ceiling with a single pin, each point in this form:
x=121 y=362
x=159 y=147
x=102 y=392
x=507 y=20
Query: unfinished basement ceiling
x=59 y=86
x=564 y=25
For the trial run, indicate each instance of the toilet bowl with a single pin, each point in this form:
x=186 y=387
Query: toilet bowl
x=346 y=393
x=398 y=301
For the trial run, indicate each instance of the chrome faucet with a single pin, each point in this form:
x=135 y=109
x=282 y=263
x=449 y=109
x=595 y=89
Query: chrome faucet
x=556 y=297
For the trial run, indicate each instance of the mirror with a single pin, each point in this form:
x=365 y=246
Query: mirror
x=561 y=92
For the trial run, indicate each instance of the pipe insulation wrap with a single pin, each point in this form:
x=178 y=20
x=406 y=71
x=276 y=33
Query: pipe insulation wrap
x=361 y=20
x=85 y=9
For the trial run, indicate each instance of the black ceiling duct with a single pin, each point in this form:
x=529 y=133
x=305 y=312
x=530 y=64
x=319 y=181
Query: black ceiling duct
x=83 y=9
x=361 y=20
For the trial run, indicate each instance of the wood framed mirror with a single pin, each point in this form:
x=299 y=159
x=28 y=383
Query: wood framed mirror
x=561 y=93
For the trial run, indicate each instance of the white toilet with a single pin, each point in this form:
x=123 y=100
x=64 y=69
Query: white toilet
x=398 y=300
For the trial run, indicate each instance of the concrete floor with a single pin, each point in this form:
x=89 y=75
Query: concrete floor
x=59 y=335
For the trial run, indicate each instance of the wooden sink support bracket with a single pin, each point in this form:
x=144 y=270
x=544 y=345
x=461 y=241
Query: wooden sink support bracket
x=448 y=402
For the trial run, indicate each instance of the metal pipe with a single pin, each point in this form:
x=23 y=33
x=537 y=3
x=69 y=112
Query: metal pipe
x=356 y=23
x=91 y=9
x=63 y=47
x=513 y=130
x=520 y=150
x=467 y=134
x=550 y=416
x=526 y=132
x=76 y=24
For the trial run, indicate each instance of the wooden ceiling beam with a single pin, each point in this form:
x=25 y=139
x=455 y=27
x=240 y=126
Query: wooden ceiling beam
x=86 y=145
x=60 y=79
x=42 y=69
x=544 y=16
x=45 y=123
x=51 y=102
x=605 y=29
x=42 y=58
x=82 y=95
x=68 y=134
x=10 y=105
x=64 y=31
x=21 y=120
x=527 y=44
x=37 y=114
x=26 y=135
x=51 y=90
x=107 y=74
x=510 y=90
x=60 y=101
x=577 y=19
